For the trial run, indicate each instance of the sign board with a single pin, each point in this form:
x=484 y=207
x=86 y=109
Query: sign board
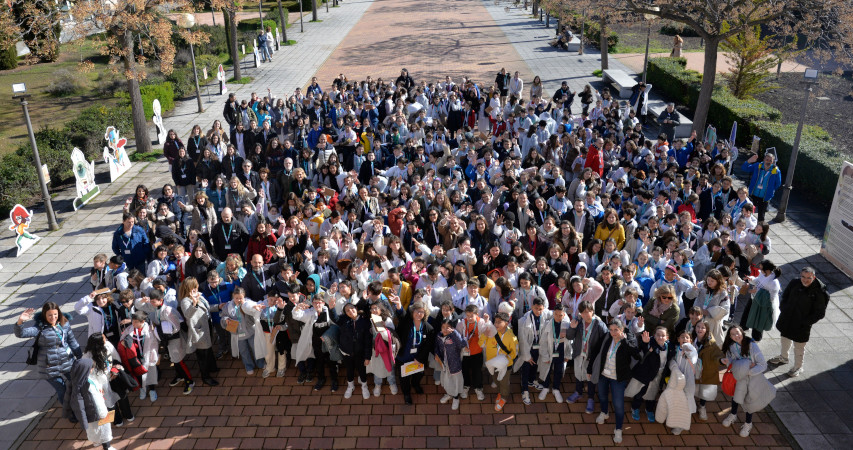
x=158 y=121
x=204 y=72
x=84 y=173
x=46 y=173
x=837 y=245
x=277 y=39
x=20 y=222
x=243 y=48
x=711 y=136
x=220 y=75
x=257 y=57
x=115 y=154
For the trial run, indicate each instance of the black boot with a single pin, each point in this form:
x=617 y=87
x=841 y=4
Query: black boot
x=320 y=383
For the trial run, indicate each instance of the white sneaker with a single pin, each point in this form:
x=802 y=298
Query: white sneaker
x=142 y=394
x=350 y=389
x=543 y=394
x=494 y=385
x=377 y=390
x=280 y=373
x=617 y=436
x=558 y=396
x=393 y=388
x=525 y=397
x=465 y=391
x=795 y=372
x=153 y=396
x=480 y=395
x=745 y=429
x=602 y=418
x=446 y=398
x=365 y=392
x=455 y=405
x=677 y=431
x=781 y=360
x=438 y=382
x=729 y=420
x=703 y=413
x=267 y=373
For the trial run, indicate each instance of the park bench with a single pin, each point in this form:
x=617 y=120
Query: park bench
x=685 y=125
x=620 y=80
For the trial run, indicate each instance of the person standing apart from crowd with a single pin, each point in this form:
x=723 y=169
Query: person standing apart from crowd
x=57 y=346
x=744 y=353
x=766 y=178
x=803 y=304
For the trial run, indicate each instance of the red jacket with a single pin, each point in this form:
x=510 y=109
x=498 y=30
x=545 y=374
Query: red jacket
x=257 y=247
x=128 y=350
x=594 y=160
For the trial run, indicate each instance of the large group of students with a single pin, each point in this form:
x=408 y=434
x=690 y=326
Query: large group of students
x=402 y=230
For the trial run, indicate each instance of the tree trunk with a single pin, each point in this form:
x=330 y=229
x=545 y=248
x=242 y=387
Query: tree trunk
x=602 y=42
x=709 y=76
x=313 y=10
x=140 y=126
x=283 y=23
x=535 y=7
x=231 y=19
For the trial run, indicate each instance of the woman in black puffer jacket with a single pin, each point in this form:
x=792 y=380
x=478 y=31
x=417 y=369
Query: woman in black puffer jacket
x=58 y=348
x=355 y=342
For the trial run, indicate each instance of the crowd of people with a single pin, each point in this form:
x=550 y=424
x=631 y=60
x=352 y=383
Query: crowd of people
x=401 y=229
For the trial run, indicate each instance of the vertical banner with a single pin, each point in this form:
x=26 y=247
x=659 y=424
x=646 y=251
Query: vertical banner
x=837 y=245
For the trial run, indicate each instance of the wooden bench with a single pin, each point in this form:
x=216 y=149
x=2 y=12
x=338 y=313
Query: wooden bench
x=620 y=80
x=685 y=125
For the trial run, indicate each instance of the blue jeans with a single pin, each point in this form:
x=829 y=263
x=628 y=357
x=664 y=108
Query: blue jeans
x=392 y=380
x=265 y=53
x=58 y=383
x=604 y=386
x=247 y=354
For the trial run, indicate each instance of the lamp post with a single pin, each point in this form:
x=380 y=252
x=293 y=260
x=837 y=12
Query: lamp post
x=810 y=77
x=649 y=18
x=186 y=21
x=301 y=27
x=583 y=24
x=20 y=91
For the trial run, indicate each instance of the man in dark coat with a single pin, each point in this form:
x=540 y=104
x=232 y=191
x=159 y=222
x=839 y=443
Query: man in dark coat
x=229 y=236
x=802 y=305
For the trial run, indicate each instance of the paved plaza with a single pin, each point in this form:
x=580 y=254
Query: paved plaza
x=377 y=38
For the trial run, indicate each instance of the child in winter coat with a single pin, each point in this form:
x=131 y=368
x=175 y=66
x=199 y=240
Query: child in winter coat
x=355 y=346
x=448 y=353
x=101 y=313
x=310 y=353
x=707 y=367
x=501 y=348
x=676 y=404
x=247 y=338
x=166 y=321
x=385 y=348
x=472 y=329
x=139 y=353
x=85 y=403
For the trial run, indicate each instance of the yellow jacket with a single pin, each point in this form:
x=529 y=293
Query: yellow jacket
x=510 y=342
x=405 y=292
x=617 y=233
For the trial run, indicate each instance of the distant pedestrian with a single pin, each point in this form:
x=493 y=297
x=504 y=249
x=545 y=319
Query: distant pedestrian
x=766 y=178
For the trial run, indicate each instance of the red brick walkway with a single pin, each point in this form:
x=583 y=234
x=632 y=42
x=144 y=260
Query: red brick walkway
x=252 y=412
x=430 y=38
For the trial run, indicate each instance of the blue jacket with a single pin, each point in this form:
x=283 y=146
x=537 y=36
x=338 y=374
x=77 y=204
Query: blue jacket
x=773 y=183
x=450 y=354
x=134 y=250
x=57 y=351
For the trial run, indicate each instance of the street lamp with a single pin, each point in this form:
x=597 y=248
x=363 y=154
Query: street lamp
x=649 y=17
x=20 y=91
x=810 y=78
x=301 y=27
x=186 y=21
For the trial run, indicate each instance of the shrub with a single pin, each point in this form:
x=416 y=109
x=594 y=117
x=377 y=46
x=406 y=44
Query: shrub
x=9 y=58
x=217 y=43
x=253 y=25
x=64 y=82
x=86 y=132
x=18 y=182
x=54 y=150
x=818 y=161
x=592 y=34
x=211 y=62
x=182 y=81
x=164 y=92
x=597 y=73
x=673 y=28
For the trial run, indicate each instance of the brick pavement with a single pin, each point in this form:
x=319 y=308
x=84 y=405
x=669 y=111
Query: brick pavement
x=254 y=413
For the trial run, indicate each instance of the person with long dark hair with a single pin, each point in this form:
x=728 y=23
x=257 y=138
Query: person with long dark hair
x=106 y=358
x=738 y=347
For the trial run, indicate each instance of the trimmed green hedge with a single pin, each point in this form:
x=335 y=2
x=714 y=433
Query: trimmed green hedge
x=164 y=92
x=818 y=162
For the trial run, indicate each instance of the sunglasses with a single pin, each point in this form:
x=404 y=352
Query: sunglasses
x=668 y=297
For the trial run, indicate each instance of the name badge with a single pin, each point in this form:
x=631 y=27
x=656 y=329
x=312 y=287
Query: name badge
x=535 y=346
x=608 y=372
x=219 y=209
x=127 y=252
x=604 y=313
x=68 y=350
x=555 y=355
x=227 y=247
x=413 y=351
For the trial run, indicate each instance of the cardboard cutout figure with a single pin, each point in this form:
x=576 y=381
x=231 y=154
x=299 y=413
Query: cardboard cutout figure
x=158 y=121
x=84 y=172
x=114 y=153
x=20 y=222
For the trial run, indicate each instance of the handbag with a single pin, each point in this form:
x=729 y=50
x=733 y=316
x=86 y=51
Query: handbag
x=729 y=382
x=123 y=382
x=33 y=356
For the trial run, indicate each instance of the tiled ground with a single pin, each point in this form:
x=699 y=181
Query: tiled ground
x=252 y=412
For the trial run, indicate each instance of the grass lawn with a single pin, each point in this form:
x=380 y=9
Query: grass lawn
x=45 y=109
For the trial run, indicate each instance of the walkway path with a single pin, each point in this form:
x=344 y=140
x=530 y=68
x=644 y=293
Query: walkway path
x=252 y=412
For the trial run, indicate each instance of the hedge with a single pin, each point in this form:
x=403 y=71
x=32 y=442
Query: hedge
x=818 y=161
x=8 y=58
x=253 y=24
x=18 y=182
x=164 y=92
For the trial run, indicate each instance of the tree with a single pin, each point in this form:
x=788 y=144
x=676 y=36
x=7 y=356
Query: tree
x=229 y=11
x=603 y=12
x=750 y=59
x=313 y=10
x=283 y=22
x=825 y=24
x=38 y=25
x=125 y=21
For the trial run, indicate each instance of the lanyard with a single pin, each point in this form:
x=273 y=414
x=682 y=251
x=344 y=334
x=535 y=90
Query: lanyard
x=707 y=301
x=60 y=334
x=126 y=242
x=537 y=324
x=271 y=316
x=140 y=338
x=557 y=326
x=587 y=331
x=227 y=236
x=263 y=281
x=613 y=349
x=417 y=335
x=469 y=332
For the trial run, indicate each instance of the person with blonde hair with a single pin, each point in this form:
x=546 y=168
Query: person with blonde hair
x=197 y=314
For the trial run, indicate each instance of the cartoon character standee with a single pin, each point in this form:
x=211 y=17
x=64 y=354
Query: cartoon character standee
x=20 y=222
